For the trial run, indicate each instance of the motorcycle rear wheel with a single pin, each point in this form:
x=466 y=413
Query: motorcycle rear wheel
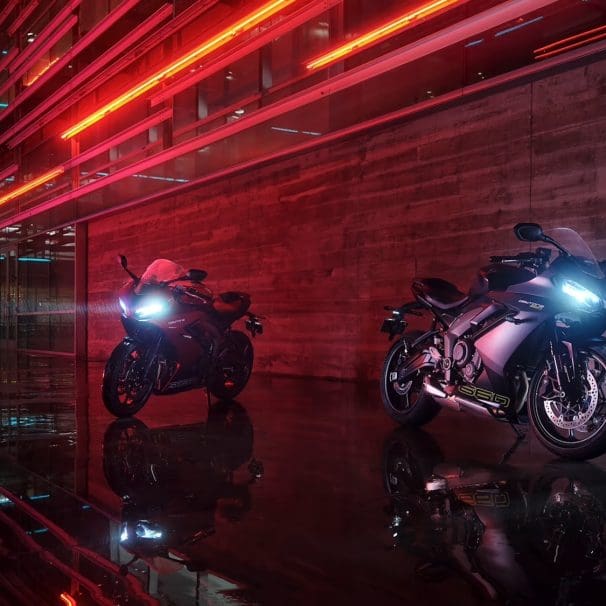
x=406 y=402
x=573 y=431
x=125 y=388
x=232 y=367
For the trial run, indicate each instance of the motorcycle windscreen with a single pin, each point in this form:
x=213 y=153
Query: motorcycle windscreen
x=162 y=270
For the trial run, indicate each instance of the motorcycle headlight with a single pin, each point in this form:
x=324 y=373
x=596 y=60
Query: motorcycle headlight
x=583 y=296
x=150 y=308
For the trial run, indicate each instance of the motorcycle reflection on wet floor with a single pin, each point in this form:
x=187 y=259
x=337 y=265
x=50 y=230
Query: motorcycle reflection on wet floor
x=173 y=481
x=514 y=537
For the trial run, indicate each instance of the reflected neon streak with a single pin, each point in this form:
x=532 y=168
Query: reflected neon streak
x=32 y=184
x=238 y=28
x=389 y=29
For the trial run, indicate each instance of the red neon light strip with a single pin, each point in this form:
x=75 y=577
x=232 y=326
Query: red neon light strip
x=243 y=25
x=69 y=56
x=48 y=43
x=31 y=185
x=458 y=32
x=125 y=135
x=68 y=600
x=8 y=171
x=22 y=17
x=34 y=47
x=7 y=10
x=384 y=31
x=570 y=38
x=268 y=34
x=41 y=72
x=571 y=46
x=582 y=38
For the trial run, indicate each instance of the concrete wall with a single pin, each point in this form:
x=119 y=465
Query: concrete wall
x=323 y=240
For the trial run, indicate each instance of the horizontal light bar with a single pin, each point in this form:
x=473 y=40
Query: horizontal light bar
x=8 y=57
x=33 y=260
x=83 y=43
x=463 y=30
x=7 y=10
x=267 y=35
x=120 y=137
x=51 y=174
x=23 y=15
x=517 y=26
x=590 y=35
x=241 y=26
x=8 y=171
x=38 y=46
x=48 y=43
x=375 y=35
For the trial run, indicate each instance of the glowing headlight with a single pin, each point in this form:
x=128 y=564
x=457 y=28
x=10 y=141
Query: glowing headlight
x=124 y=534
x=150 y=308
x=123 y=306
x=581 y=295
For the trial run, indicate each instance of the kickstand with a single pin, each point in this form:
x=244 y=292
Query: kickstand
x=519 y=438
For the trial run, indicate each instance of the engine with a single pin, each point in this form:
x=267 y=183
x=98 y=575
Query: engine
x=467 y=359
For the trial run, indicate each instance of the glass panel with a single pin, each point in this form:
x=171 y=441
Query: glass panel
x=46 y=332
x=46 y=272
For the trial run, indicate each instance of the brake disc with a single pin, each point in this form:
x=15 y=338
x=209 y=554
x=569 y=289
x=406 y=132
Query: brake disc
x=555 y=412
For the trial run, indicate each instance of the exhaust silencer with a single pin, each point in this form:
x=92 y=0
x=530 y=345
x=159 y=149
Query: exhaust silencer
x=455 y=402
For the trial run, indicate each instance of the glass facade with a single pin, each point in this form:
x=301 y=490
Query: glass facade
x=110 y=103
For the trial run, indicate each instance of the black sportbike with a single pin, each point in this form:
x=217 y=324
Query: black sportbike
x=524 y=344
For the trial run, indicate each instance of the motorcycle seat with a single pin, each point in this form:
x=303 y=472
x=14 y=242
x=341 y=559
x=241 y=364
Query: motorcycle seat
x=438 y=293
x=231 y=305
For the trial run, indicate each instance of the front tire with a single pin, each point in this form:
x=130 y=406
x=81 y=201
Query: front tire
x=406 y=401
x=232 y=366
x=574 y=430
x=125 y=388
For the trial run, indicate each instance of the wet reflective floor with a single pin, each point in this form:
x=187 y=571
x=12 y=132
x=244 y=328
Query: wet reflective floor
x=302 y=492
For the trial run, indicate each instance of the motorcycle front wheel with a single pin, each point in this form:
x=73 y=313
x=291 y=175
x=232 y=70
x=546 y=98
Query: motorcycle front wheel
x=574 y=430
x=126 y=388
x=406 y=401
x=232 y=367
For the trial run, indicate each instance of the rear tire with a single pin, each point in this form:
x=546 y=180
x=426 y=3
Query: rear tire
x=406 y=402
x=125 y=388
x=232 y=366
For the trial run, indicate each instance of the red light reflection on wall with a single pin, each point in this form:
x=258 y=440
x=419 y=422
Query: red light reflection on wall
x=239 y=27
x=388 y=29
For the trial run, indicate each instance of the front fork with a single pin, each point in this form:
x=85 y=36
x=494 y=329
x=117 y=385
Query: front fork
x=564 y=360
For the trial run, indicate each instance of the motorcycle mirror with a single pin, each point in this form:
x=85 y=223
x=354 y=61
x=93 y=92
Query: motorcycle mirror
x=196 y=275
x=529 y=232
x=123 y=262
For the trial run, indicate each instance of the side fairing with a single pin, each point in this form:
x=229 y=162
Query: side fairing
x=531 y=304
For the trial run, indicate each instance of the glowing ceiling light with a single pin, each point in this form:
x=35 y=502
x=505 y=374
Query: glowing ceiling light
x=243 y=25
x=379 y=33
x=31 y=184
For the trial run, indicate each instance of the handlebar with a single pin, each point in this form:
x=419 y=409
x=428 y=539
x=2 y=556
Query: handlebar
x=536 y=259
